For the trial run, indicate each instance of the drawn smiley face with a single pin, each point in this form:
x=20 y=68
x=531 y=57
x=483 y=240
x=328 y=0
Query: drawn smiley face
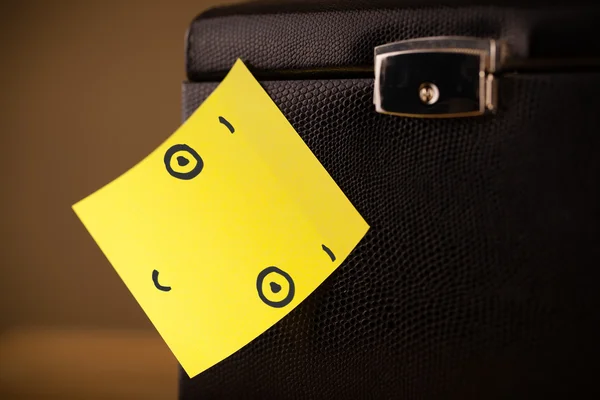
x=219 y=232
x=274 y=286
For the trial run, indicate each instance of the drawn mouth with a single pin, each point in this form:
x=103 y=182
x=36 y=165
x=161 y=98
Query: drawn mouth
x=274 y=286
x=158 y=285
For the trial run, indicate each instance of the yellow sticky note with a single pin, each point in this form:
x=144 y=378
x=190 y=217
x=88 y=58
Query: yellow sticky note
x=225 y=227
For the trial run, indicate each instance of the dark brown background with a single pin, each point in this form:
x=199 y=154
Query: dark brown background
x=88 y=89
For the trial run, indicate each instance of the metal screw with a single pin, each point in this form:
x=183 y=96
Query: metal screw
x=429 y=93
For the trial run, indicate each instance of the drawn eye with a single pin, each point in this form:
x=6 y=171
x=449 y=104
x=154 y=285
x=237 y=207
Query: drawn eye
x=183 y=162
x=158 y=285
x=275 y=287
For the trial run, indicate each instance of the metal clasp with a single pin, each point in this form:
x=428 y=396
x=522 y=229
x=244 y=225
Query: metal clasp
x=438 y=77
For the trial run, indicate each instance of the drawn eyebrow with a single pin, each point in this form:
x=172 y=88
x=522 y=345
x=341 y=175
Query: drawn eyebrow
x=227 y=124
x=329 y=252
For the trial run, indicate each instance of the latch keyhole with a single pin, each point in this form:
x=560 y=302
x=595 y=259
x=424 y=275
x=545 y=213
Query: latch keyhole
x=429 y=93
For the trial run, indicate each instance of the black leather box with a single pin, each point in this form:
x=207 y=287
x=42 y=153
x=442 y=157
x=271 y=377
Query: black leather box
x=479 y=276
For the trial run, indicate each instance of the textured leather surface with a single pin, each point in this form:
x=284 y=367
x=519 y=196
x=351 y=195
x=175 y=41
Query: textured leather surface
x=479 y=276
x=292 y=38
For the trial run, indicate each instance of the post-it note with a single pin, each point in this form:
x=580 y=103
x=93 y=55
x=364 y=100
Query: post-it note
x=225 y=227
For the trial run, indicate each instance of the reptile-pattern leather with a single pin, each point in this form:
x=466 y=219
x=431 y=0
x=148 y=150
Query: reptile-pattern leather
x=479 y=276
x=285 y=39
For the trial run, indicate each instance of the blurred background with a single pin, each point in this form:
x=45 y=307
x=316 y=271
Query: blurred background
x=88 y=88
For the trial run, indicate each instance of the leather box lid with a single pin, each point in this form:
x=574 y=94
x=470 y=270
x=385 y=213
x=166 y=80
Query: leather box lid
x=339 y=36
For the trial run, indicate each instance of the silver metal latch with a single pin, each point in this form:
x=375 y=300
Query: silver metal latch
x=437 y=77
